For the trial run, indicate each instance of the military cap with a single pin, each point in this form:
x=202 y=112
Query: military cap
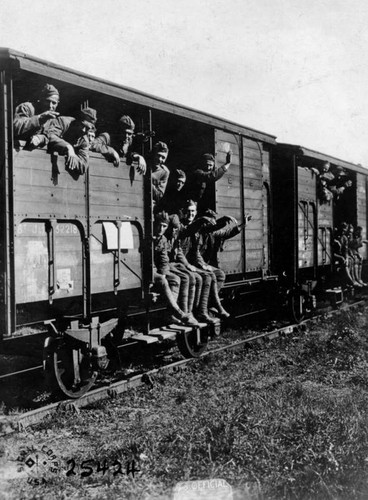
x=190 y=203
x=208 y=157
x=162 y=217
x=49 y=91
x=174 y=220
x=180 y=175
x=161 y=147
x=126 y=123
x=340 y=170
x=88 y=115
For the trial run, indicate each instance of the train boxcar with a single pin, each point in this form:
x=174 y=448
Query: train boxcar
x=76 y=251
x=313 y=194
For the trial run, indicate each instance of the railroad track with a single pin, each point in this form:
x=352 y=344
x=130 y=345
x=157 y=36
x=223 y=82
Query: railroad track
x=19 y=422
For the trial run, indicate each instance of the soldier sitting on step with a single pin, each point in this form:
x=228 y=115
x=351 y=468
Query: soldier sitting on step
x=167 y=282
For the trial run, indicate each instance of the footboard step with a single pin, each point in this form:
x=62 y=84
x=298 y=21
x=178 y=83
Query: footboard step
x=147 y=339
x=162 y=334
x=178 y=328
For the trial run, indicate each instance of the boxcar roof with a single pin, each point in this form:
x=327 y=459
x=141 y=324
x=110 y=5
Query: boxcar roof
x=42 y=67
x=302 y=151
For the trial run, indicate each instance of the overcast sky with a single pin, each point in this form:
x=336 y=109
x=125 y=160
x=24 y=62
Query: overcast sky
x=293 y=68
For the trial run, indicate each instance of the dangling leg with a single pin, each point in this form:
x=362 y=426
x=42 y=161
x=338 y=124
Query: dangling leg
x=171 y=295
x=215 y=299
x=349 y=272
x=220 y=277
x=184 y=287
x=201 y=313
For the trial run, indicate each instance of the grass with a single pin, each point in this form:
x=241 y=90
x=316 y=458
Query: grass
x=289 y=420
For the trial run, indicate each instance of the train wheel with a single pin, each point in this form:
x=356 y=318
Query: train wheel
x=297 y=306
x=71 y=369
x=192 y=344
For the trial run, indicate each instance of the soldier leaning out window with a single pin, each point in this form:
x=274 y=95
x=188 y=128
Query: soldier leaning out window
x=31 y=120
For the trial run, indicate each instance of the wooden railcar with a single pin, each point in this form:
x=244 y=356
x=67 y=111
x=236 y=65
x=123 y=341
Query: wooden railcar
x=305 y=222
x=76 y=251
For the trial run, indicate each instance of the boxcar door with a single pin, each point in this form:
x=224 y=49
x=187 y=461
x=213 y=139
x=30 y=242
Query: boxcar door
x=229 y=200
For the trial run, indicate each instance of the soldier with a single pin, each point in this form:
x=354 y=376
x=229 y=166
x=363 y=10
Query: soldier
x=160 y=172
x=324 y=172
x=214 y=236
x=207 y=175
x=190 y=240
x=325 y=179
x=91 y=134
x=355 y=244
x=167 y=282
x=68 y=136
x=341 y=254
x=175 y=195
x=113 y=148
x=340 y=183
x=31 y=120
x=190 y=281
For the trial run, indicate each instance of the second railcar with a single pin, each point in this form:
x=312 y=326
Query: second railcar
x=306 y=219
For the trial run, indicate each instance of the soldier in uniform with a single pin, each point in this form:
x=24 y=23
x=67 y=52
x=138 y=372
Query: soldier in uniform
x=187 y=278
x=167 y=282
x=159 y=172
x=118 y=146
x=205 y=176
x=175 y=195
x=190 y=241
x=68 y=137
x=340 y=183
x=355 y=244
x=31 y=120
x=325 y=179
x=341 y=254
x=214 y=236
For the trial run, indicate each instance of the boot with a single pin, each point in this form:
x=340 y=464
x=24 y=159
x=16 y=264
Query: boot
x=183 y=319
x=204 y=318
x=220 y=312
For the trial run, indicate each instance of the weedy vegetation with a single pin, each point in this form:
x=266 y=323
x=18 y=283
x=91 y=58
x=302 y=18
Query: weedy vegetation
x=283 y=420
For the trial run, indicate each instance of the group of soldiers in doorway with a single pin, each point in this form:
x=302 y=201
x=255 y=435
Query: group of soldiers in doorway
x=331 y=185
x=187 y=235
x=348 y=240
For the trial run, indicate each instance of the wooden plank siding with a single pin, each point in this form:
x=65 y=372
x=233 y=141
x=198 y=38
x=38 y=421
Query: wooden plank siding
x=307 y=198
x=306 y=184
x=244 y=184
x=254 y=203
x=113 y=194
x=362 y=210
x=228 y=199
x=36 y=195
